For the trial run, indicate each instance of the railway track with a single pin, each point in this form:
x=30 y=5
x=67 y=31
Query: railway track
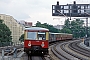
x=77 y=48
x=59 y=51
x=23 y=56
x=50 y=56
x=70 y=51
x=35 y=57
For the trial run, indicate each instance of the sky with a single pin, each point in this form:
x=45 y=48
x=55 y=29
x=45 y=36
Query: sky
x=34 y=10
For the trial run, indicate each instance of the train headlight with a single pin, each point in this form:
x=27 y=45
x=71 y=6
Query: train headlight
x=42 y=44
x=29 y=44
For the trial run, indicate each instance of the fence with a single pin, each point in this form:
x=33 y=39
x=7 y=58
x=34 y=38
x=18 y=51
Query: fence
x=10 y=45
x=11 y=58
x=4 y=44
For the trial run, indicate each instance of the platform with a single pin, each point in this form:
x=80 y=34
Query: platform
x=83 y=45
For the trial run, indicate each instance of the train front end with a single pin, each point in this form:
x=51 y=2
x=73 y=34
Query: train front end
x=36 y=40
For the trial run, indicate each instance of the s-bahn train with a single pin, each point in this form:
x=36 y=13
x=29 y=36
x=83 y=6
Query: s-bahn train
x=36 y=39
x=59 y=36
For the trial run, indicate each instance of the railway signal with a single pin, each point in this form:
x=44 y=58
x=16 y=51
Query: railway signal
x=72 y=10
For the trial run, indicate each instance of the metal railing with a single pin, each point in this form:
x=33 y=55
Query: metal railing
x=5 y=44
x=11 y=46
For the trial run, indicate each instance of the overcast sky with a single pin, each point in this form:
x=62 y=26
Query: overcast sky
x=34 y=10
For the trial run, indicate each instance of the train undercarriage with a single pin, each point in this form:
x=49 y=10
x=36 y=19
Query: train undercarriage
x=36 y=50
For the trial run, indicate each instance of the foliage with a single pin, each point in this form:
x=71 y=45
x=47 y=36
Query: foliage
x=67 y=24
x=66 y=30
x=74 y=27
x=77 y=28
x=5 y=33
x=21 y=38
x=45 y=25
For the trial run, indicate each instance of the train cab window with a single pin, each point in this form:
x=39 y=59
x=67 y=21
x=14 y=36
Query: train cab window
x=32 y=35
x=41 y=36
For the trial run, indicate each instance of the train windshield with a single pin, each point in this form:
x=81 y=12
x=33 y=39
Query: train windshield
x=32 y=35
x=36 y=35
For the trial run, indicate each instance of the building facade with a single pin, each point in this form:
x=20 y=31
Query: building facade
x=25 y=24
x=14 y=26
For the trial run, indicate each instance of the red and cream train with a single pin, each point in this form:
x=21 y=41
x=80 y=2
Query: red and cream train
x=36 y=39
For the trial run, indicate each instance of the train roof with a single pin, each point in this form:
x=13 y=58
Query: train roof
x=37 y=29
x=61 y=33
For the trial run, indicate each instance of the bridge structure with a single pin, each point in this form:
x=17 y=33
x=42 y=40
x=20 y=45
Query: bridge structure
x=72 y=10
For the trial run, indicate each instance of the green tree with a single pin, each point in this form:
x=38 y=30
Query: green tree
x=74 y=27
x=66 y=30
x=66 y=27
x=5 y=33
x=38 y=24
x=77 y=28
x=45 y=25
x=67 y=24
x=21 y=38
